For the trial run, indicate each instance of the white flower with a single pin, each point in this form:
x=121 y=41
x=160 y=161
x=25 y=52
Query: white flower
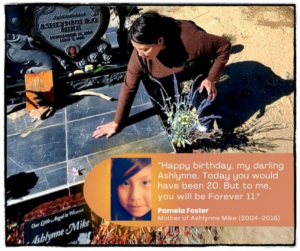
x=84 y=238
x=202 y=128
x=102 y=48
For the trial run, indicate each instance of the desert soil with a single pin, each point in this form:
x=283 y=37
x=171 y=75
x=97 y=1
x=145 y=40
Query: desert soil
x=256 y=97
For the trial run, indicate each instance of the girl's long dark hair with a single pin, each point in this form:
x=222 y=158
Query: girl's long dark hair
x=121 y=170
x=149 y=27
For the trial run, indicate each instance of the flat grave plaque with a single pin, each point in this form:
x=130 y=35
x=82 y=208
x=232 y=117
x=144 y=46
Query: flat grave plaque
x=72 y=226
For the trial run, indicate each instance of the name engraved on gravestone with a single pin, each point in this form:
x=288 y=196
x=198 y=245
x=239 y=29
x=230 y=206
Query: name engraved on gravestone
x=69 y=29
x=72 y=226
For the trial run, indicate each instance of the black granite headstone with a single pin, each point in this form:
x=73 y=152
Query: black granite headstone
x=67 y=29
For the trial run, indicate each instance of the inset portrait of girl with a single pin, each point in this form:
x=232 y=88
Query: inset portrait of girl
x=72 y=51
x=130 y=189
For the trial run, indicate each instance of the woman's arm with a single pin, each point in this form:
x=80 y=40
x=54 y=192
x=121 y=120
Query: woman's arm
x=220 y=49
x=201 y=44
x=127 y=94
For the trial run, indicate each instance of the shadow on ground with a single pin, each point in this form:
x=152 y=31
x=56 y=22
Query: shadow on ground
x=241 y=140
x=18 y=185
x=248 y=87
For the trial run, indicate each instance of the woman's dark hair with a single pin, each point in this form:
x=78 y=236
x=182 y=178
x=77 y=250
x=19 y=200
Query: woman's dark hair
x=149 y=27
x=121 y=170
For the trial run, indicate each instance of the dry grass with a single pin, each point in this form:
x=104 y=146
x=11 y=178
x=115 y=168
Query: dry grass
x=257 y=235
x=229 y=37
x=187 y=235
x=111 y=233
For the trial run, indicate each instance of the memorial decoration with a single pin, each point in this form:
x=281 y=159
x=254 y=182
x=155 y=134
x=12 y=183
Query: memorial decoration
x=67 y=30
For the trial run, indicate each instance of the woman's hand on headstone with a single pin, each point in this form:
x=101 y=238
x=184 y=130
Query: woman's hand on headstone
x=108 y=129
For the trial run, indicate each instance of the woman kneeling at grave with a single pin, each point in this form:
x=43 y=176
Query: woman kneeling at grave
x=163 y=45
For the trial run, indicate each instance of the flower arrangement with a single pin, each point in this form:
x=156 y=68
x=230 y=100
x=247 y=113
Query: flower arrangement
x=185 y=121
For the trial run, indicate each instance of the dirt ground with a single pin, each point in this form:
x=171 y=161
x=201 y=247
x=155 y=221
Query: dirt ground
x=256 y=96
